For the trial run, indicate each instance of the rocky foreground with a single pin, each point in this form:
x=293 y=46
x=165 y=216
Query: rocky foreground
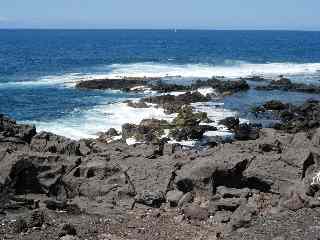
x=266 y=188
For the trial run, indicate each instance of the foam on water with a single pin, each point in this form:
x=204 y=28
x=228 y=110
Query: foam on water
x=235 y=70
x=89 y=123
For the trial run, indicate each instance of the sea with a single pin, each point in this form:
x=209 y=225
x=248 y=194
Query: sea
x=39 y=70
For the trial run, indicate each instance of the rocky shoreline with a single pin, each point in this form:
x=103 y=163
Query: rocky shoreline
x=262 y=184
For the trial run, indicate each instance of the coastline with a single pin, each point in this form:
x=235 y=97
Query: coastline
x=229 y=188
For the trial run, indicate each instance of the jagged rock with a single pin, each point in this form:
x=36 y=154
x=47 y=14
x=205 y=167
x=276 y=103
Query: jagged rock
x=48 y=142
x=230 y=122
x=68 y=229
x=242 y=217
x=152 y=199
x=172 y=104
x=173 y=197
x=137 y=104
x=275 y=105
x=118 y=84
x=10 y=131
x=185 y=199
x=221 y=86
x=222 y=216
x=246 y=132
x=284 y=84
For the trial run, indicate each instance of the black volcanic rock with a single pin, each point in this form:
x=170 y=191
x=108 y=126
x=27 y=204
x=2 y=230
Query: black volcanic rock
x=10 y=131
x=118 y=84
x=285 y=84
x=223 y=86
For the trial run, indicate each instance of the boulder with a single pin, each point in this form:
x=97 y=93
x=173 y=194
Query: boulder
x=10 y=131
x=246 y=132
x=230 y=122
x=173 y=197
x=275 y=105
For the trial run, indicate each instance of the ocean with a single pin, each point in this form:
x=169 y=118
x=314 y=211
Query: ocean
x=39 y=69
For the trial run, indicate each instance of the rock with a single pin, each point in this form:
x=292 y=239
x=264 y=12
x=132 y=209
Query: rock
x=228 y=204
x=294 y=201
x=284 y=84
x=255 y=78
x=230 y=122
x=187 y=125
x=137 y=104
x=275 y=105
x=38 y=218
x=301 y=118
x=195 y=212
x=186 y=133
x=233 y=192
x=163 y=87
x=48 y=142
x=173 y=197
x=68 y=229
x=149 y=130
x=221 y=86
x=185 y=199
x=117 y=84
x=222 y=216
x=172 y=104
x=242 y=217
x=179 y=219
x=20 y=225
x=246 y=132
x=112 y=132
x=10 y=131
x=152 y=199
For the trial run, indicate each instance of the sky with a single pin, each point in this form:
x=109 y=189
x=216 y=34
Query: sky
x=161 y=14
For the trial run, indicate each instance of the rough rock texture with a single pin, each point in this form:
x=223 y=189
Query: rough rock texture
x=264 y=188
x=285 y=84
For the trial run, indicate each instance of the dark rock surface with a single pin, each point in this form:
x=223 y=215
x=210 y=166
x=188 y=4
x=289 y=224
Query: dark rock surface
x=284 y=84
x=172 y=104
x=259 y=189
x=224 y=86
x=102 y=84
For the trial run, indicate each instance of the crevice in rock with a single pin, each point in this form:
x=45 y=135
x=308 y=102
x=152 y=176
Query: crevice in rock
x=234 y=179
x=307 y=163
x=24 y=177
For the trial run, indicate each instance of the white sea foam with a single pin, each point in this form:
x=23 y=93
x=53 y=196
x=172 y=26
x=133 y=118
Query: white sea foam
x=240 y=69
x=99 y=119
x=234 y=70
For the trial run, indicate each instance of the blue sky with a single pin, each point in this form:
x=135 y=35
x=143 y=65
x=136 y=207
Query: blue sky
x=191 y=14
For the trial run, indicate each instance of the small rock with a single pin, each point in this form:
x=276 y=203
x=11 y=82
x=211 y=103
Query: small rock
x=152 y=199
x=178 y=219
x=186 y=198
x=233 y=192
x=195 y=212
x=68 y=229
x=222 y=216
x=173 y=197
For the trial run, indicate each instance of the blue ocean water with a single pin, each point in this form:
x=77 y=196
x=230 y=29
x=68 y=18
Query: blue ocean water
x=38 y=69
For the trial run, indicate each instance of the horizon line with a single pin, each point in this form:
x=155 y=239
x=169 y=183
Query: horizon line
x=154 y=29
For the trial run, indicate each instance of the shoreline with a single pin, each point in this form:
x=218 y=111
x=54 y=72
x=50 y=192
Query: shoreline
x=230 y=188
